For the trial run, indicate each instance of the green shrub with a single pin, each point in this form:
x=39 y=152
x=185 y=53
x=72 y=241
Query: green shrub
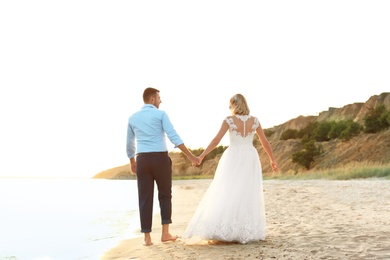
x=321 y=131
x=327 y=130
x=289 y=134
x=308 y=131
x=308 y=152
x=351 y=129
x=336 y=129
x=377 y=119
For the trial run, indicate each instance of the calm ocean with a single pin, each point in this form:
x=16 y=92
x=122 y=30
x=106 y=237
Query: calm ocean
x=65 y=218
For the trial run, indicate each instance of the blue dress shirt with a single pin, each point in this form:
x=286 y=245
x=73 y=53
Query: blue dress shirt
x=148 y=127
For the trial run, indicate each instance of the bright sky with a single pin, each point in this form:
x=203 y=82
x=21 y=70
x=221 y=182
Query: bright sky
x=72 y=72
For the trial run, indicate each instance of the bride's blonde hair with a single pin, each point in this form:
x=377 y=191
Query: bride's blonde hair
x=238 y=105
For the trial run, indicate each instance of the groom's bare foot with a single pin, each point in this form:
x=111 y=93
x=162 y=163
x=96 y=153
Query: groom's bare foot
x=169 y=238
x=148 y=243
x=148 y=240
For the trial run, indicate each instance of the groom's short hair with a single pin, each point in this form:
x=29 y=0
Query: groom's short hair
x=148 y=93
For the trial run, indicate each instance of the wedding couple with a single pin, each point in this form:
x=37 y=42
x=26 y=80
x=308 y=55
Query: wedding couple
x=232 y=208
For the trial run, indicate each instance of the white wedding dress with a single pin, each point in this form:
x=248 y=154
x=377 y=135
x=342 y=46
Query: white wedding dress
x=232 y=208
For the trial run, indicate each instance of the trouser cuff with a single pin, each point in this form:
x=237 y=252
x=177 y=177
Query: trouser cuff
x=168 y=221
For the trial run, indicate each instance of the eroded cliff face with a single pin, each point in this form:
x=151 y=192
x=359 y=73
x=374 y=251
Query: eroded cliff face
x=355 y=112
x=295 y=124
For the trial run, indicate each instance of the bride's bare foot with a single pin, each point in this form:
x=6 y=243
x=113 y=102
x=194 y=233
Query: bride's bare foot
x=217 y=242
x=169 y=238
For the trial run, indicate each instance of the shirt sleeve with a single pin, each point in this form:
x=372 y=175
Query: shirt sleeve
x=130 y=144
x=170 y=130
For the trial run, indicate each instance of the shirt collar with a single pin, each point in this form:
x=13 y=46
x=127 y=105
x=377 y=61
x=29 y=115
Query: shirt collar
x=149 y=106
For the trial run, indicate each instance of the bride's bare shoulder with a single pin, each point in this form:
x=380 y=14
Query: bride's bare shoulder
x=228 y=120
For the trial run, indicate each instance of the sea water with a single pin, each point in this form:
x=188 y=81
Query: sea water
x=53 y=219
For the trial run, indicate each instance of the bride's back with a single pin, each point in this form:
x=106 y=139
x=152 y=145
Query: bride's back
x=242 y=128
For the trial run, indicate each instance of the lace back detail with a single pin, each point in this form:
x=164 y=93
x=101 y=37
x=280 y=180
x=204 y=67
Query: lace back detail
x=241 y=130
x=243 y=119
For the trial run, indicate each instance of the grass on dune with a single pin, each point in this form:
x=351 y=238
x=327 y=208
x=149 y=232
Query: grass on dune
x=344 y=173
x=191 y=177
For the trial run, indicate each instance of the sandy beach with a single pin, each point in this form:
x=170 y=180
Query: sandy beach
x=310 y=219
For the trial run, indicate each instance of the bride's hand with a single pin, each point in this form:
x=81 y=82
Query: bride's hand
x=274 y=166
x=200 y=159
x=196 y=161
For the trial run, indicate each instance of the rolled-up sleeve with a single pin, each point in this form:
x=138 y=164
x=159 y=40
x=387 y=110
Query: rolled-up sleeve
x=170 y=130
x=130 y=144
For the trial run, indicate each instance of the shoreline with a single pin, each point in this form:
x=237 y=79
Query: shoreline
x=306 y=219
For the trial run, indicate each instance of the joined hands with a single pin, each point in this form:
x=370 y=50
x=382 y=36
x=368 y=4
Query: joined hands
x=196 y=161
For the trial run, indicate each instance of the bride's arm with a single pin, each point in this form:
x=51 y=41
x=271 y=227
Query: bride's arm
x=267 y=147
x=215 y=141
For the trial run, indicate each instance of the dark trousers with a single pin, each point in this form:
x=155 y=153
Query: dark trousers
x=154 y=167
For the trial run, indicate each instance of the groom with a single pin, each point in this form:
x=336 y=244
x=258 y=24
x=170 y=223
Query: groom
x=148 y=127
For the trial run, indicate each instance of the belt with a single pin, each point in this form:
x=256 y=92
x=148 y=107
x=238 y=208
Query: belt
x=151 y=153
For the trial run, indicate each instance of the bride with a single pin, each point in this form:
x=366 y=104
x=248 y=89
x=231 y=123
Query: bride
x=232 y=209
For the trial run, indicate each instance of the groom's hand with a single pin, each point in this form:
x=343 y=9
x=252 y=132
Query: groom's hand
x=133 y=166
x=199 y=161
x=194 y=161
